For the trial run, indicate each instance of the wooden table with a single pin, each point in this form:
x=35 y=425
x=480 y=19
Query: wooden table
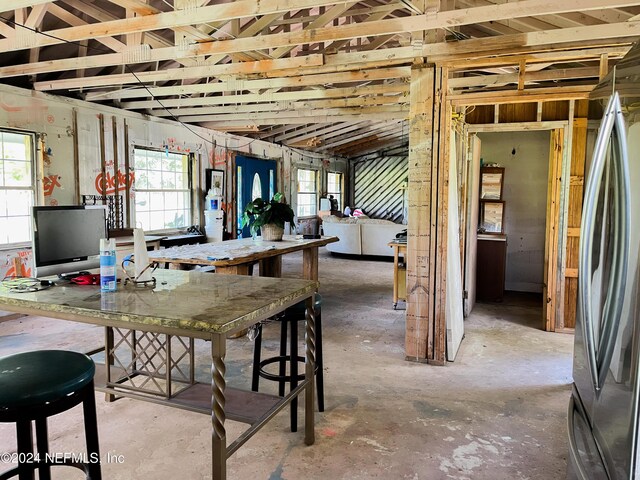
x=152 y=241
x=237 y=256
x=186 y=305
x=399 y=274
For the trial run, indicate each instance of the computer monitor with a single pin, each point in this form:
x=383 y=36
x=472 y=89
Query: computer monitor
x=67 y=238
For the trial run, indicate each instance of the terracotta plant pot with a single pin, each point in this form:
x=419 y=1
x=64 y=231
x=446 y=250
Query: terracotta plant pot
x=271 y=232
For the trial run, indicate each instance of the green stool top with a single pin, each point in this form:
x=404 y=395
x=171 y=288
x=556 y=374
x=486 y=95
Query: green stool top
x=34 y=378
x=297 y=311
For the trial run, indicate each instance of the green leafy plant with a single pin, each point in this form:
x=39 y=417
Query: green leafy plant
x=258 y=213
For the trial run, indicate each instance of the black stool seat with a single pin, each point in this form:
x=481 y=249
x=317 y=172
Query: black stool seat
x=34 y=378
x=291 y=316
x=36 y=385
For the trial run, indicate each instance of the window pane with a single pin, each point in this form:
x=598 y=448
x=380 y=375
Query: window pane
x=142 y=201
x=306 y=193
x=272 y=183
x=182 y=181
x=171 y=200
x=168 y=180
x=162 y=189
x=19 y=229
x=19 y=203
x=306 y=181
x=16 y=146
x=153 y=160
x=4 y=230
x=256 y=188
x=140 y=159
x=4 y=204
x=15 y=203
x=334 y=187
x=156 y=201
x=17 y=173
x=142 y=179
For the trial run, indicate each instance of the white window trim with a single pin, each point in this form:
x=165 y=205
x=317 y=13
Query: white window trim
x=34 y=187
x=341 y=199
x=316 y=193
x=192 y=165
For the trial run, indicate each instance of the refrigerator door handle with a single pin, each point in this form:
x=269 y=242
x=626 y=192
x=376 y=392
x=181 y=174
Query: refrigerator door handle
x=599 y=358
x=617 y=285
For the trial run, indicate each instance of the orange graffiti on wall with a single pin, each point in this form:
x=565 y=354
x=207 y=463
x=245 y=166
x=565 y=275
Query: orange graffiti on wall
x=18 y=266
x=50 y=183
x=110 y=182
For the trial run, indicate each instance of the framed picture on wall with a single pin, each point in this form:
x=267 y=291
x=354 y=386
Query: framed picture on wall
x=214 y=179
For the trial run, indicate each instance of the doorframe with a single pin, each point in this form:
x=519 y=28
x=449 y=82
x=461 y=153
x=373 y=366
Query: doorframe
x=554 y=268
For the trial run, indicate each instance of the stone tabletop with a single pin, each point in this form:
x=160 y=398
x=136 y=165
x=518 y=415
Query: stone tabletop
x=188 y=303
x=233 y=252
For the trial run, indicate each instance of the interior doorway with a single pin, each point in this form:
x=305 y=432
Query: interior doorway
x=531 y=162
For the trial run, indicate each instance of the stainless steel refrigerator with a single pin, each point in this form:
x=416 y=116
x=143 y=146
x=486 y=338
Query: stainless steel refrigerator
x=603 y=417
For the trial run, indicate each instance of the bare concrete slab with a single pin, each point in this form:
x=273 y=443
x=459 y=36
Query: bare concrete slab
x=498 y=412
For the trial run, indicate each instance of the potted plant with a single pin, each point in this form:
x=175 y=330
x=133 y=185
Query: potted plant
x=269 y=217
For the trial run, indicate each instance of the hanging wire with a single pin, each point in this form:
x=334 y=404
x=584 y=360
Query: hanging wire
x=129 y=69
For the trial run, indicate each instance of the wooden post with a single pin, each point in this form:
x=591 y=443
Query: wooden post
x=76 y=157
x=103 y=158
x=114 y=126
x=576 y=194
x=127 y=174
x=429 y=119
x=419 y=278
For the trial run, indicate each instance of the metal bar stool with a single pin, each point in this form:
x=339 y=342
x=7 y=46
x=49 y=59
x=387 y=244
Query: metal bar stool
x=37 y=385
x=292 y=315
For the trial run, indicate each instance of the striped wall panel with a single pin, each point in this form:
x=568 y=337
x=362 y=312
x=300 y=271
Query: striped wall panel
x=378 y=185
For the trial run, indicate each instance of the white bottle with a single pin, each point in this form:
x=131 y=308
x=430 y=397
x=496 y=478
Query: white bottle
x=209 y=200
x=107 y=265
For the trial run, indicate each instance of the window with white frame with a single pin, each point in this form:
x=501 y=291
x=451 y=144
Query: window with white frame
x=162 y=189
x=16 y=187
x=334 y=187
x=307 y=193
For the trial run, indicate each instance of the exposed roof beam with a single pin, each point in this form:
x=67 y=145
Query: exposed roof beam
x=544 y=75
x=532 y=58
x=240 y=85
x=315 y=131
x=316 y=117
x=321 y=21
x=342 y=139
x=283 y=106
x=240 y=68
x=308 y=115
x=178 y=18
x=16 y=4
x=521 y=96
x=272 y=96
x=382 y=27
x=71 y=19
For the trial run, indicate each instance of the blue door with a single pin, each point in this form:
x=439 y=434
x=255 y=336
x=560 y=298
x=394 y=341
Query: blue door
x=255 y=179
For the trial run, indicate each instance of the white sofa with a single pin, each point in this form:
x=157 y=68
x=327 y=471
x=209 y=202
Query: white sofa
x=361 y=236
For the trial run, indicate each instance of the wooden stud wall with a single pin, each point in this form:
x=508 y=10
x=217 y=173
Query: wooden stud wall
x=555 y=110
x=429 y=119
x=420 y=278
x=518 y=112
x=576 y=196
x=553 y=216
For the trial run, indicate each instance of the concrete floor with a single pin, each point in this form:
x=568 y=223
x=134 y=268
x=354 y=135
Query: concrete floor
x=497 y=412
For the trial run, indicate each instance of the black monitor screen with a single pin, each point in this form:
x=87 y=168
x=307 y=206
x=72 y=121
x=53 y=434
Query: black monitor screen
x=67 y=234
